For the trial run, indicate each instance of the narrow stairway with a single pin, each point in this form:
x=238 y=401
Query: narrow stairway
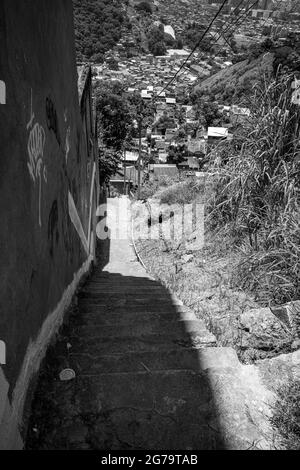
x=141 y=361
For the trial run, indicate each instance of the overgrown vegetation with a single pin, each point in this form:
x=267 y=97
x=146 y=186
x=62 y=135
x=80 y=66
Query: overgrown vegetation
x=150 y=187
x=181 y=193
x=234 y=85
x=145 y=7
x=255 y=196
x=193 y=33
x=98 y=27
x=286 y=416
x=118 y=116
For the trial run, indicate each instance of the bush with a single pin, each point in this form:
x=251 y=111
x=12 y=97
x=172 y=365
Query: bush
x=98 y=27
x=181 y=193
x=150 y=188
x=256 y=196
x=145 y=7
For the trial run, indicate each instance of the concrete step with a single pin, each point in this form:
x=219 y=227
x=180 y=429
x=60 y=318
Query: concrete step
x=123 y=306
x=115 y=286
x=173 y=359
x=159 y=410
x=130 y=302
x=145 y=297
x=127 y=344
x=102 y=316
x=124 y=290
x=143 y=328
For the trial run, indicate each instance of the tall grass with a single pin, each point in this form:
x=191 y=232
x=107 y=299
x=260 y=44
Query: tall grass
x=286 y=415
x=255 y=196
x=182 y=193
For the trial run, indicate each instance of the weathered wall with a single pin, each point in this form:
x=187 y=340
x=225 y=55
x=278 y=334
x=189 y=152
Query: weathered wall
x=47 y=180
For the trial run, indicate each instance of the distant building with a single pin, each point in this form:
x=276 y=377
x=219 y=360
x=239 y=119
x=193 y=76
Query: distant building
x=239 y=115
x=163 y=157
x=171 y=101
x=190 y=163
x=146 y=95
x=215 y=134
x=178 y=53
x=124 y=182
x=131 y=157
x=164 y=169
x=197 y=146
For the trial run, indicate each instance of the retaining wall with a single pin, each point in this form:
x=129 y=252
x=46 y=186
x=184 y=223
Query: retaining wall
x=48 y=189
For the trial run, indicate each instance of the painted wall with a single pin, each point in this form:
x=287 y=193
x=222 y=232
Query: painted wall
x=47 y=179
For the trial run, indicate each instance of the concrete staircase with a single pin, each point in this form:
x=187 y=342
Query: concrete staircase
x=148 y=374
x=137 y=353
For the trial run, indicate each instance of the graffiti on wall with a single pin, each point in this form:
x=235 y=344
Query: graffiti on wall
x=53 y=233
x=67 y=144
x=2 y=92
x=74 y=216
x=35 y=148
x=52 y=119
x=2 y=353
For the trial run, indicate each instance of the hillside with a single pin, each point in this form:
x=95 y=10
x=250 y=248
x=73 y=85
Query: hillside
x=98 y=27
x=231 y=84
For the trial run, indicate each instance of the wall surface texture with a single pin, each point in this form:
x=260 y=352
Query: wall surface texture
x=48 y=189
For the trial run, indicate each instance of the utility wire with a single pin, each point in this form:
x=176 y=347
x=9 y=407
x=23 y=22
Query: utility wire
x=232 y=23
x=232 y=14
x=196 y=46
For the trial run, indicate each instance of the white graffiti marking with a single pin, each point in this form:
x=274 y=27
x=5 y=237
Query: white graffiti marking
x=31 y=115
x=67 y=145
x=2 y=92
x=2 y=353
x=35 y=148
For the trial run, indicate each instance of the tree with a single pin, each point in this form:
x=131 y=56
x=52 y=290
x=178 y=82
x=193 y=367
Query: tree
x=177 y=154
x=113 y=114
x=98 y=27
x=144 y=7
x=206 y=111
x=113 y=64
x=140 y=109
x=179 y=43
x=156 y=40
x=109 y=161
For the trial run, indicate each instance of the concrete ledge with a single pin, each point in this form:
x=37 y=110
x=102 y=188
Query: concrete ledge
x=11 y=414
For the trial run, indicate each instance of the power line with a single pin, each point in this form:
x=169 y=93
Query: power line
x=232 y=23
x=196 y=46
x=238 y=20
x=233 y=13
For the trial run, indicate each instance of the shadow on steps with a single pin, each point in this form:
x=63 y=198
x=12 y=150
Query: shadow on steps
x=141 y=380
x=141 y=361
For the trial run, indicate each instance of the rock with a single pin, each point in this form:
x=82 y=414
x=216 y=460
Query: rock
x=280 y=370
x=296 y=344
x=187 y=258
x=261 y=330
x=289 y=313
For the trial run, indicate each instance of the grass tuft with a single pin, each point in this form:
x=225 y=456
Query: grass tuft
x=255 y=194
x=286 y=416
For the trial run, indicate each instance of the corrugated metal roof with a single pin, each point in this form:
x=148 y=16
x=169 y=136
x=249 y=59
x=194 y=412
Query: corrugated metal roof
x=217 y=132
